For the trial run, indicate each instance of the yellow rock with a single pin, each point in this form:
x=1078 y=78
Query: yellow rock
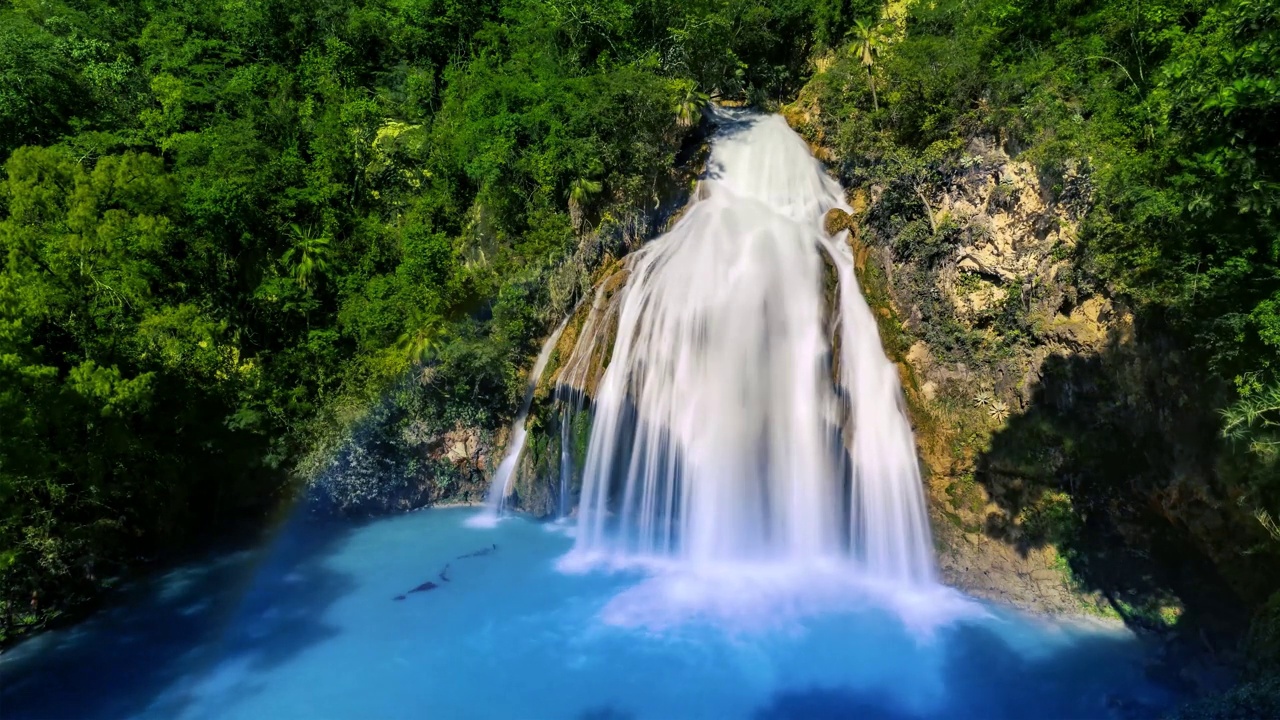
x=837 y=220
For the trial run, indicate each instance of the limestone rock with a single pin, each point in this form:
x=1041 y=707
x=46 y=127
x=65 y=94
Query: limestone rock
x=994 y=276
x=837 y=220
x=1086 y=327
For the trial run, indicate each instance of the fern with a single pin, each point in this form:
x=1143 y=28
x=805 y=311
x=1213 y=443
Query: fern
x=1255 y=421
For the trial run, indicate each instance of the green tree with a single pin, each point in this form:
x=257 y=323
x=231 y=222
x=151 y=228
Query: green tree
x=307 y=258
x=245 y=224
x=868 y=42
x=581 y=191
x=690 y=105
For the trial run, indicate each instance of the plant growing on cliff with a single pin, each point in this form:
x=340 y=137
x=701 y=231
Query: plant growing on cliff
x=998 y=411
x=868 y=41
x=1254 y=421
x=581 y=191
x=690 y=104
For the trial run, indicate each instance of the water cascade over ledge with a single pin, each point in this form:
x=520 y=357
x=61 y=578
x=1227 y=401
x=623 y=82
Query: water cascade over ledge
x=723 y=417
x=743 y=410
x=501 y=484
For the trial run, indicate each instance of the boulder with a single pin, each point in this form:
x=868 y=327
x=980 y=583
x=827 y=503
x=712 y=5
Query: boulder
x=838 y=220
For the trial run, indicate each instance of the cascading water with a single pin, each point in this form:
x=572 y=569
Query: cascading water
x=501 y=484
x=721 y=432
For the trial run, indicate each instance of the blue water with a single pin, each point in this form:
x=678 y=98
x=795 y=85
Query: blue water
x=310 y=628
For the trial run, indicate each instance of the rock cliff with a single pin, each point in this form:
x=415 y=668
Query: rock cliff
x=1070 y=448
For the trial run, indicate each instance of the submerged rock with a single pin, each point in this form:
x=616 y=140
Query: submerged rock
x=479 y=553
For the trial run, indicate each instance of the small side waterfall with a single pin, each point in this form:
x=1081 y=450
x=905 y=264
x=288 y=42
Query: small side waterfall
x=724 y=429
x=501 y=484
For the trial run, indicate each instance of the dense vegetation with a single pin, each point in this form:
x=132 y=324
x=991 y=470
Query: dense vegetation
x=223 y=222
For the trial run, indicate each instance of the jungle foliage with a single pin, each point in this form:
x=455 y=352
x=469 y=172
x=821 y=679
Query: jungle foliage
x=221 y=219
x=1171 y=108
x=225 y=221
x=1173 y=104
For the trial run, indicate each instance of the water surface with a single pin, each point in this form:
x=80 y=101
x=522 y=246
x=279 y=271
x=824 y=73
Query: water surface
x=309 y=628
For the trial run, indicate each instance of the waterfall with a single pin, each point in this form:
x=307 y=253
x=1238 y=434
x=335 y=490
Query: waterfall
x=501 y=484
x=725 y=429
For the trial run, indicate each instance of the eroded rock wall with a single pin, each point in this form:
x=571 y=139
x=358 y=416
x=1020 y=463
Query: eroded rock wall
x=978 y=318
x=1070 y=447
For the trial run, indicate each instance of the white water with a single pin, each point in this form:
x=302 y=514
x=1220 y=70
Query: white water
x=720 y=435
x=515 y=443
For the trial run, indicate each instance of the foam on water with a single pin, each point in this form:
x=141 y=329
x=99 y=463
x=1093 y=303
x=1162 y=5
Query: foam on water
x=747 y=599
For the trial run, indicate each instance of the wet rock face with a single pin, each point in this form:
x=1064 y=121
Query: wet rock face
x=984 y=286
x=970 y=260
x=560 y=416
x=987 y=568
x=383 y=469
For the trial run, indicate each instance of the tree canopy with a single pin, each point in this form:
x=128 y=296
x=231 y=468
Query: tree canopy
x=218 y=219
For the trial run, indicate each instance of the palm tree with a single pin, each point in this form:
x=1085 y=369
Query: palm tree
x=580 y=191
x=308 y=256
x=419 y=343
x=868 y=42
x=689 y=106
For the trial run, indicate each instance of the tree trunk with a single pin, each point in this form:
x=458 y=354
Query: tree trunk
x=928 y=211
x=576 y=215
x=872 y=80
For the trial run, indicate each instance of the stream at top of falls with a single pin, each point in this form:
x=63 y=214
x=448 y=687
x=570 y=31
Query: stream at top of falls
x=750 y=537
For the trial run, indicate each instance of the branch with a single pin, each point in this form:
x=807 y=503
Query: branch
x=1117 y=62
x=928 y=211
x=988 y=270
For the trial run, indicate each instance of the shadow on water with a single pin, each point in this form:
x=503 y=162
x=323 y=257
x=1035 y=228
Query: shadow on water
x=983 y=678
x=821 y=703
x=728 y=123
x=144 y=654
